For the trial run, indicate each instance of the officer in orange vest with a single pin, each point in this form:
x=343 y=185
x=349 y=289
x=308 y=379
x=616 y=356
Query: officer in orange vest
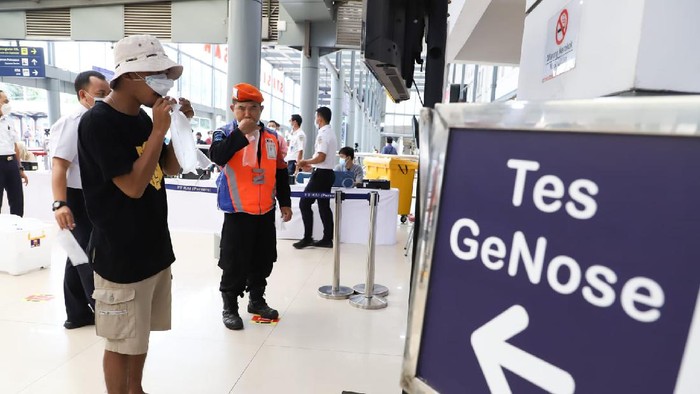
x=253 y=175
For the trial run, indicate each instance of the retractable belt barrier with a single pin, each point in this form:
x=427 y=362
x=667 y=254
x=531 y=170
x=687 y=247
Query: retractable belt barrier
x=344 y=196
x=371 y=295
x=335 y=291
x=364 y=300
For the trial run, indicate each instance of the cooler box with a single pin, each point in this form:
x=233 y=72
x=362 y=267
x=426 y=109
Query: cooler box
x=400 y=172
x=25 y=244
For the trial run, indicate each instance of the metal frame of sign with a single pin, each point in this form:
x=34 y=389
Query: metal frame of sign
x=666 y=116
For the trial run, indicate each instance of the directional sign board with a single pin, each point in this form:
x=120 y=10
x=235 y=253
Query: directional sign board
x=22 y=62
x=563 y=250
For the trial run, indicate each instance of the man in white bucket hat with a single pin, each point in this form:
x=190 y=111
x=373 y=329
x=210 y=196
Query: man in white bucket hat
x=123 y=159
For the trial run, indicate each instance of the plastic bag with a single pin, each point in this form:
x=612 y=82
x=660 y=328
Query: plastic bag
x=75 y=253
x=189 y=157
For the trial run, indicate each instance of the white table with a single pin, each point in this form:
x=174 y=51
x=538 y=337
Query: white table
x=193 y=208
x=354 y=223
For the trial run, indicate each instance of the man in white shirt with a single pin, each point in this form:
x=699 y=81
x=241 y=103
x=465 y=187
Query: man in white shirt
x=11 y=170
x=321 y=181
x=69 y=206
x=296 y=145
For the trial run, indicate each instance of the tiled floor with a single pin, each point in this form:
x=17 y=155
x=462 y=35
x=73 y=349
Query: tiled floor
x=319 y=346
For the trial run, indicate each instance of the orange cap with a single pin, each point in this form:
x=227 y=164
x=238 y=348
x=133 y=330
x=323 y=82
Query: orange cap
x=246 y=92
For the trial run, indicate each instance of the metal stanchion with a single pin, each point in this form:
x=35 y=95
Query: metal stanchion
x=336 y=291
x=369 y=300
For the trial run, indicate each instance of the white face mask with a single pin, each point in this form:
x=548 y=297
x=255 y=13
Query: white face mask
x=94 y=99
x=159 y=83
x=6 y=109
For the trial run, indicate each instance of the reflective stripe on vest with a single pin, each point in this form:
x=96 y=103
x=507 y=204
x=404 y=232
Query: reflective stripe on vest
x=233 y=189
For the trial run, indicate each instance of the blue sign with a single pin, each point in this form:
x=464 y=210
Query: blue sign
x=22 y=62
x=565 y=262
x=109 y=74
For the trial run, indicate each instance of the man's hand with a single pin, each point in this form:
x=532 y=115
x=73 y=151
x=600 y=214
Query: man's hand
x=64 y=218
x=301 y=164
x=161 y=115
x=25 y=179
x=247 y=126
x=186 y=108
x=286 y=213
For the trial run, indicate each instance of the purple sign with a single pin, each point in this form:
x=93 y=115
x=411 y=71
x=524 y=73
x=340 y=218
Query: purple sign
x=565 y=262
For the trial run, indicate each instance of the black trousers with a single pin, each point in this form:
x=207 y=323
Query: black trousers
x=78 y=282
x=11 y=181
x=321 y=181
x=248 y=251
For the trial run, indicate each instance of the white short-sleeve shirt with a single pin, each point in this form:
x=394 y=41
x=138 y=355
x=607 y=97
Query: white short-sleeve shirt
x=8 y=136
x=326 y=143
x=297 y=140
x=63 y=143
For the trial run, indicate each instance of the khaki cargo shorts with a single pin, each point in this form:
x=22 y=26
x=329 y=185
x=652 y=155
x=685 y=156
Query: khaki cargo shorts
x=125 y=314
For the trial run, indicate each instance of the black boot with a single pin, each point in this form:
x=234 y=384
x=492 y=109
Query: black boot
x=258 y=306
x=232 y=320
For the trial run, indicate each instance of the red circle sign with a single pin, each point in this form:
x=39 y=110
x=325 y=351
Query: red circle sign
x=562 y=26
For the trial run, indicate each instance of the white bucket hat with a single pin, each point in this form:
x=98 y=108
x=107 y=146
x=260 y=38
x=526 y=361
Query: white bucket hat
x=142 y=53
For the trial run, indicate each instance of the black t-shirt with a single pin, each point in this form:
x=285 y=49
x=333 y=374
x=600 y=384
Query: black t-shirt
x=130 y=240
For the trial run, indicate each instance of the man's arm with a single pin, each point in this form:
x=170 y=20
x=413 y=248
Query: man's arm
x=59 y=184
x=320 y=157
x=170 y=164
x=284 y=192
x=25 y=179
x=359 y=174
x=301 y=142
x=135 y=182
x=223 y=148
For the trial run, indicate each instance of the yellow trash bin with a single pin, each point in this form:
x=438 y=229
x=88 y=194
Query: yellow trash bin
x=399 y=172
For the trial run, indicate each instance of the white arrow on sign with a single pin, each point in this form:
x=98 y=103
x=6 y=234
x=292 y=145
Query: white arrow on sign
x=494 y=354
x=34 y=62
x=35 y=73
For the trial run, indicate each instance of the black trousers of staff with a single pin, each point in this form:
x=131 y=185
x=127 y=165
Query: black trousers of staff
x=248 y=252
x=78 y=281
x=11 y=181
x=321 y=181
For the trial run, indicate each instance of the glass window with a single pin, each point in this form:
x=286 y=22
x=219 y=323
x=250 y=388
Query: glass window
x=185 y=80
x=206 y=86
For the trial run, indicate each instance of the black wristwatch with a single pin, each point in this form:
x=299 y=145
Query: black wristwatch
x=58 y=205
x=21 y=168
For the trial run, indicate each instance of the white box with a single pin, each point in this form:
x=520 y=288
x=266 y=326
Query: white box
x=25 y=244
x=621 y=46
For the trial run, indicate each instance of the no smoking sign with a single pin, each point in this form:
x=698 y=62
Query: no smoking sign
x=562 y=37
x=562 y=26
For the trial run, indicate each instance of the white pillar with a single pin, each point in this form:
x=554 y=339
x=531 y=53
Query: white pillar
x=244 y=38
x=309 y=99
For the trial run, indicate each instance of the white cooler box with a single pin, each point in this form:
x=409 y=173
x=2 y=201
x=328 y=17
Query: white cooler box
x=25 y=244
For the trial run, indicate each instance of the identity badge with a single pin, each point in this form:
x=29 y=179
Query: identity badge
x=271 y=148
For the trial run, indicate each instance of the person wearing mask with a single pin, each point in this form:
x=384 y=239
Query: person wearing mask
x=296 y=144
x=69 y=205
x=253 y=176
x=123 y=160
x=321 y=181
x=389 y=149
x=272 y=125
x=11 y=170
x=347 y=163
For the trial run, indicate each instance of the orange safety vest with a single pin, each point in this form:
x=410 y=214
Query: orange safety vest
x=252 y=190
